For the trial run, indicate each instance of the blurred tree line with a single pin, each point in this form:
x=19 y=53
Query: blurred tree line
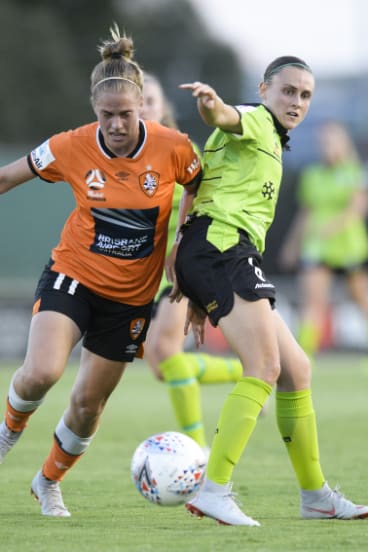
x=48 y=49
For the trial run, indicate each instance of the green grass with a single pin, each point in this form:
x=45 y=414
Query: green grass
x=108 y=514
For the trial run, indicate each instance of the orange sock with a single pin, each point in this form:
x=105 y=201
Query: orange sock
x=58 y=462
x=15 y=420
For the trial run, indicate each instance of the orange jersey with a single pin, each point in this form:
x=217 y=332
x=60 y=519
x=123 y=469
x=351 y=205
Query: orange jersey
x=114 y=241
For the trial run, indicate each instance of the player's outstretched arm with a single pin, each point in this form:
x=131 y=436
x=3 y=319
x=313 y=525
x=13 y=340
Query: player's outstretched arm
x=213 y=110
x=14 y=174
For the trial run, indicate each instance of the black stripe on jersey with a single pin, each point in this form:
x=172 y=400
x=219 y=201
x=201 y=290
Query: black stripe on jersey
x=30 y=164
x=270 y=154
x=212 y=178
x=214 y=150
x=196 y=180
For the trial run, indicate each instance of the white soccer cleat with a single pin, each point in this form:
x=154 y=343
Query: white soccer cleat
x=8 y=438
x=326 y=503
x=219 y=504
x=49 y=496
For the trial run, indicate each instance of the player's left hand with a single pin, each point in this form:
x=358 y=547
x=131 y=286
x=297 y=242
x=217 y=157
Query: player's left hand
x=195 y=319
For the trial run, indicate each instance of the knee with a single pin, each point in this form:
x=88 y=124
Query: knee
x=86 y=408
x=296 y=375
x=33 y=383
x=160 y=347
x=304 y=371
x=272 y=373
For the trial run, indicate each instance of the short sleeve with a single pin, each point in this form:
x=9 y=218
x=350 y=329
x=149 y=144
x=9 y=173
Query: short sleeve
x=50 y=158
x=187 y=162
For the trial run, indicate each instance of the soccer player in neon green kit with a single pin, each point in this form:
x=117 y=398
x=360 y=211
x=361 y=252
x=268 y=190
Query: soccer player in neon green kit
x=218 y=267
x=328 y=235
x=183 y=371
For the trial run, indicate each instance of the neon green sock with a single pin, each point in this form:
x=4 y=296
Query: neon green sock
x=308 y=338
x=179 y=373
x=297 y=424
x=237 y=421
x=215 y=369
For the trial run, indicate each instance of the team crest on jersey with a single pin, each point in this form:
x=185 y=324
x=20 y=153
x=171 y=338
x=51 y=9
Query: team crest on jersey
x=136 y=327
x=149 y=182
x=268 y=190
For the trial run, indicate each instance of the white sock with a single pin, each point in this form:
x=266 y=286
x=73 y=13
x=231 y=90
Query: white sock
x=69 y=441
x=20 y=404
x=212 y=487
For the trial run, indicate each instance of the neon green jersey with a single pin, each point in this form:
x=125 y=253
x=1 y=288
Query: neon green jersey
x=241 y=179
x=326 y=192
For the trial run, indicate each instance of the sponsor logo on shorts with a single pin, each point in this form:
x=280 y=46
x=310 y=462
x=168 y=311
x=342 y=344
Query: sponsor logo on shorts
x=211 y=306
x=131 y=349
x=266 y=285
x=136 y=327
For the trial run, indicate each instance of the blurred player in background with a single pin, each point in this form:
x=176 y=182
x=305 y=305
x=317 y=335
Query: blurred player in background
x=219 y=268
x=164 y=347
x=328 y=236
x=105 y=272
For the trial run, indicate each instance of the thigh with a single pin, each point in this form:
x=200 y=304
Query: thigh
x=295 y=366
x=51 y=339
x=250 y=331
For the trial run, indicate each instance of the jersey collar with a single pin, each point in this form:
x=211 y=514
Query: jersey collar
x=281 y=131
x=141 y=141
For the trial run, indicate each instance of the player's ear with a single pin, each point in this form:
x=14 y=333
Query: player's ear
x=141 y=102
x=262 y=88
x=93 y=105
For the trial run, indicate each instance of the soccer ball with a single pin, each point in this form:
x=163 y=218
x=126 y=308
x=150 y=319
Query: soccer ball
x=168 y=468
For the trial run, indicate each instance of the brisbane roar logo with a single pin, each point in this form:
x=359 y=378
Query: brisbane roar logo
x=136 y=327
x=149 y=181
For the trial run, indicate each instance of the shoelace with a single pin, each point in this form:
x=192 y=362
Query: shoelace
x=336 y=491
x=233 y=496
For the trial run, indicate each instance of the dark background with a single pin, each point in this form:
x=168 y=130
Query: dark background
x=48 y=50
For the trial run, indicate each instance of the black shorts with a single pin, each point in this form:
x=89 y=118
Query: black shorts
x=113 y=330
x=210 y=278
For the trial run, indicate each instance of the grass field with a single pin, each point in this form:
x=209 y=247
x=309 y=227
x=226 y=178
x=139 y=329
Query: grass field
x=108 y=514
